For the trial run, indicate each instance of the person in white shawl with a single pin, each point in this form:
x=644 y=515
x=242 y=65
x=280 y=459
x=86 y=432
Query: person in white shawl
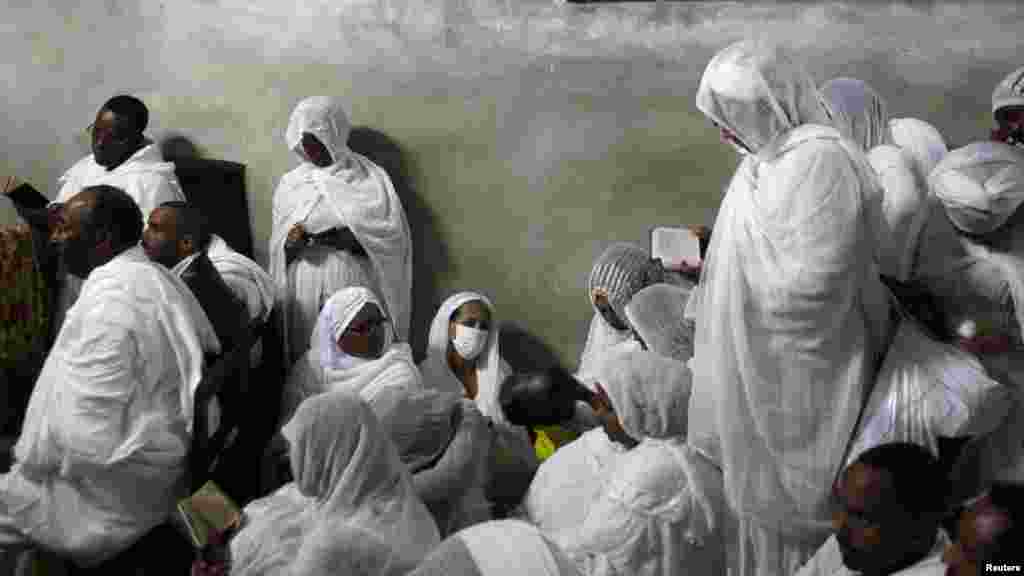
x=355 y=351
x=464 y=357
x=499 y=548
x=568 y=482
x=621 y=271
x=111 y=411
x=660 y=511
x=921 y=140
x=793 y=317
x=337 y=222
x=862 y=116
x=247 y=280
x=345 y=469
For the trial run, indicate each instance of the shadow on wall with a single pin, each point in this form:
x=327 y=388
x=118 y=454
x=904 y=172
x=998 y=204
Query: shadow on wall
x=176 y=147
x=524 y=351
x=430 y=253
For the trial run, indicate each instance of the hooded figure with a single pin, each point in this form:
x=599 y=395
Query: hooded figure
x=464 y=357
x=861 y=116
x=660 y=511
x=621 y=271
x=375 y=367
x=921 y=140
x=500 y=548
x=658 y=316
x=446 y=443
x=333 y=197
x=346 y=470
x=793 y=318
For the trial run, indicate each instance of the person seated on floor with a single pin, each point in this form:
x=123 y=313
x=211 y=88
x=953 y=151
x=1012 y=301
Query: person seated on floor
x=888 y=506
x=990 y=533
x=177 y=237
x=102 y=451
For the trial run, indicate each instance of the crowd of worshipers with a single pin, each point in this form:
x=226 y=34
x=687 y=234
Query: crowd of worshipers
x=839 y=392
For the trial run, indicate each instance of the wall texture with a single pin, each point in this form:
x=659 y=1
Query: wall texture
x=529 y=133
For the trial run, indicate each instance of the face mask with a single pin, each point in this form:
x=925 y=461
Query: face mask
x=469 y=342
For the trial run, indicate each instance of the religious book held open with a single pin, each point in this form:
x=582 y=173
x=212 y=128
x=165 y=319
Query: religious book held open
x=206 y=511
x=675 y=246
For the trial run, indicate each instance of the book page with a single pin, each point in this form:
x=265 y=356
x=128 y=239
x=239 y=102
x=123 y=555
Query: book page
x=675 y=246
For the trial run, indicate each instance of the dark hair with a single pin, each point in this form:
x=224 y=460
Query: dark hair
x=919 y=484
x=1008 y=499
x=191 y=222
x=129 y=110
x=114 y=212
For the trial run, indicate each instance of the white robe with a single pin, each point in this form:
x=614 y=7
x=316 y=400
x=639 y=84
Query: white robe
x=792 y=313
x=144 y=176
x=107 y=431
x=246 y=279
x=828 y=561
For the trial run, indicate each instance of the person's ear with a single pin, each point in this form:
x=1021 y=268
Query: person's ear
x=186 y=246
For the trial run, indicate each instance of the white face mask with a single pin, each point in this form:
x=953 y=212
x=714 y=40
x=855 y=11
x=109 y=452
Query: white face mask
x=469 y=342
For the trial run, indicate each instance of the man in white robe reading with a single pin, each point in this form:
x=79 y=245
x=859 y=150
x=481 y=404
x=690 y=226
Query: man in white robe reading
x=103 y=449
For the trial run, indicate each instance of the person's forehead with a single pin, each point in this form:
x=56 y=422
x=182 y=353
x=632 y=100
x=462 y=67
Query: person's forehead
x=106 y=117
x=863 y=483
x=473 y=309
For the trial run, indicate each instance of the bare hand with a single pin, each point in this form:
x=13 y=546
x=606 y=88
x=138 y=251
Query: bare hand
x=296 y=235
x=11 y=183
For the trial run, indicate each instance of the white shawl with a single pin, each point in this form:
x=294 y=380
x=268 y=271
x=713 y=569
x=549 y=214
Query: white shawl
x=791 y=307
x=346 y=470
x=111 y=412
x=324 y=368
x=246 y=278
x=362 y=198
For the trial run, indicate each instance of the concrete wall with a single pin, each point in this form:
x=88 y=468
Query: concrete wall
x=529 y=133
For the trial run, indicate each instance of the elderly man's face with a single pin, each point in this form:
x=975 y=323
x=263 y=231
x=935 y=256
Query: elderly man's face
x=75 y=243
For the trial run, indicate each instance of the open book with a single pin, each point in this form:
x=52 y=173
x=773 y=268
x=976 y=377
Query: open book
x=206 y=511
x=675 y=246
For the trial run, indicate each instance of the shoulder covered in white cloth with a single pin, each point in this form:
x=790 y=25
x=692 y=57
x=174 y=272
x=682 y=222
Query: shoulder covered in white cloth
x=249 y=282
x=649 y=392
x=981 y=185
x=144 y=176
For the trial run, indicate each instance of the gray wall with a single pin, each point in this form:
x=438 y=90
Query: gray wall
x=529 y=133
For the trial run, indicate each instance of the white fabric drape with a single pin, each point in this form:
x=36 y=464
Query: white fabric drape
x=522 y=550
x=144 y=176
x=346 y=470
x=921 y=140
x=354 y=193
x=1010 y=91
x=791 y=311
x=324 y=368
x=658 y=314
x=660 y=511
x=111 y=413
x=247 y=280
x=859 y=113
x=981 y=185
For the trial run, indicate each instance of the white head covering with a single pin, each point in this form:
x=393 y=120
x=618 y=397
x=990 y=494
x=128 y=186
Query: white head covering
x=981 y=185
x=337 y=313
x=922 y=140
x=489 y=371
x=341 y=548
x=498 y=548
x=758 y=92
x=346 y=470
x=325 y=118
x=649 y=392
x=1010 y=91
x=359 y=195
x=859 y=112
x=657 y=313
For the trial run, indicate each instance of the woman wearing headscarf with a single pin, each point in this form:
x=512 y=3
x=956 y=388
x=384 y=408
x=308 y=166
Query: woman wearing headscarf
x=345 y=469
x=338 y=222
x=860 y=114
x=569 y=482
x=621 y=271
x=446 y=444
x=499 y=548
x=793 y=318
x=660 y=511
x=464 y=357
x=354 y=351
